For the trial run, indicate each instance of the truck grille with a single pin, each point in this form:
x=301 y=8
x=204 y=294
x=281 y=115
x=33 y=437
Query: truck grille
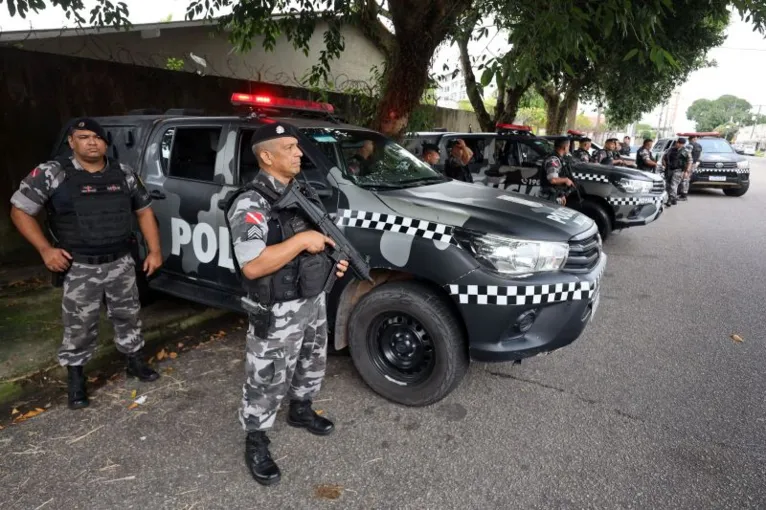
x=658 y=187
x=584 y=252
x=727 y=164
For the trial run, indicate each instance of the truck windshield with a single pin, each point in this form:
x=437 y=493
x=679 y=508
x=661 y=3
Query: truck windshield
x=715 y=146
x=372 y=160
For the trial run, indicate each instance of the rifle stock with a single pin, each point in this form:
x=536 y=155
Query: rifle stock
x=343 y=250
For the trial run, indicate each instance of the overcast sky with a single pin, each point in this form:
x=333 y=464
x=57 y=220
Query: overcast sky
x=741 y=59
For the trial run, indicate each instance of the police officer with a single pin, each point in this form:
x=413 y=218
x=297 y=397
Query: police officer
x=644 y=159
x=608 y=155
x=553 y=166
x=625 y=147
x=676 y=161
x=583 y=152
x=694 y=150
x=431 y=154
x=90 y=200
x=284 y=268
x=456 y=166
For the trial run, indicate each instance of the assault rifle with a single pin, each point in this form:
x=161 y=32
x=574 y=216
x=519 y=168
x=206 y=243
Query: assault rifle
x=293 y=197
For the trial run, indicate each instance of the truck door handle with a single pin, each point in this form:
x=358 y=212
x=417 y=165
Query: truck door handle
x=157 y=194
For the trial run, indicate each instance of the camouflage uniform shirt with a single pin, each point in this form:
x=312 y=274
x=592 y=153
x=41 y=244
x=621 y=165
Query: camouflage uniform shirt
x=40 y=184
x=552 y=166
x=581 y=155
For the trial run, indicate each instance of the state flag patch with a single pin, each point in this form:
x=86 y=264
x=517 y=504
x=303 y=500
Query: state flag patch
x=254 y=218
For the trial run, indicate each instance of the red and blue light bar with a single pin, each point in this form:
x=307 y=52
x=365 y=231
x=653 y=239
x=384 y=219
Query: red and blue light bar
x=575 y=132
x=240 y=98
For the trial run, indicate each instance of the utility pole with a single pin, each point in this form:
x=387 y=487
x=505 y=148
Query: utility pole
x=752 y=132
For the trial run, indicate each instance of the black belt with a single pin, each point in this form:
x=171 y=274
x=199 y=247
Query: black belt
x=97 y=259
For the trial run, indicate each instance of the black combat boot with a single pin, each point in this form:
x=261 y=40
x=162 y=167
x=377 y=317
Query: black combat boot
x=138 y=368
x=682 y=198
x=78 y=397
x=301 y=415
x=258 y=459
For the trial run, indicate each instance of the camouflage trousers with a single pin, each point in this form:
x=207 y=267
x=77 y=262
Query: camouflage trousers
x=672 y=180
x=683 y=188
x=290 y=361
x=85 y=286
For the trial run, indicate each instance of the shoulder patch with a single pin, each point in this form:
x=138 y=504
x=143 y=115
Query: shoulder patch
x=254 y=218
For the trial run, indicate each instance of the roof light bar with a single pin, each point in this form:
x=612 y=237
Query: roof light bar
x=515 y=127
x=575 y=132
x=701 y=133
x=240 y=98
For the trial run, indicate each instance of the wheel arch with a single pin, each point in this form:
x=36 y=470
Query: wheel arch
x=351 y=294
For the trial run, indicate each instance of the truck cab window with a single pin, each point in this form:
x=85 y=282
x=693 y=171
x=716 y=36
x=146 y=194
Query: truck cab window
x=190 y=153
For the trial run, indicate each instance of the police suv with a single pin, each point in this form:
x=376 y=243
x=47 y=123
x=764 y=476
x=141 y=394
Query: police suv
x=511 y=160
x=461 y=272
x=720 y=166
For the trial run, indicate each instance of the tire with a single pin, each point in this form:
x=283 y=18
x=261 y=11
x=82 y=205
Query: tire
x=736 y=192
x=598 y=214
x=428 y=323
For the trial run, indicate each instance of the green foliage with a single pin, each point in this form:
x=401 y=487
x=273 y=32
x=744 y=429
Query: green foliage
x=174 y=64
x=644 y=131
x=103 y=13
x=728 y=130
x=709 y=115
x=531 y=116
x=583 y=123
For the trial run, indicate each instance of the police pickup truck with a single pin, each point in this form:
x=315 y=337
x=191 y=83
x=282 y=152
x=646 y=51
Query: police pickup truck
x=461 y=271
x=511 y=159
x=719 y=165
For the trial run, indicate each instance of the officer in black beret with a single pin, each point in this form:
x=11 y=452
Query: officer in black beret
x=583 y=152
x=90 y=201
x=431 y=154
x=283 y=267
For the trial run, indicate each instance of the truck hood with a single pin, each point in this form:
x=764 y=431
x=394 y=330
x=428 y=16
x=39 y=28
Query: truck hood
x=487 y=210
x=722 y=157
x=615 y=172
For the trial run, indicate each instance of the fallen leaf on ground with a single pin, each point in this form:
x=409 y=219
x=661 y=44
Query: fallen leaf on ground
x=168 y=370
x=1 y=427
x=320 y=412
x=30 y=414
x=173 y=355
x=92 y=379
x=150 y=360
x=161 y=355
x=180 y=345
x=737 y=338
x=328 y=491
x=133 y=394
x=132 y=406
x=15 y=411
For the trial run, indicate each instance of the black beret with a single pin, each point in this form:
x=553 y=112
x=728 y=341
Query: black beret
x=88 y=124
x=586 y=139
x=273 y=130
x=430 y=147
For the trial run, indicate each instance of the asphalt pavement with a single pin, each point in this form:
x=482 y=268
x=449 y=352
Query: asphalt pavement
x=655 y=406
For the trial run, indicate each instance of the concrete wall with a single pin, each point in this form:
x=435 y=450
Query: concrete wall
x=39 y=92
x=283 y=66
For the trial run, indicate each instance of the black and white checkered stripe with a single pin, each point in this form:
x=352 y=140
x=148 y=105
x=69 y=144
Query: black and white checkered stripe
x=526 y=294
x=720 y=170
x=522 y=295
x=591 y=177
x=634 y=200
x=394 y=223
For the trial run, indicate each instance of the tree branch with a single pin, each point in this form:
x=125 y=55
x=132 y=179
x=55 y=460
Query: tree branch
x=471 y=88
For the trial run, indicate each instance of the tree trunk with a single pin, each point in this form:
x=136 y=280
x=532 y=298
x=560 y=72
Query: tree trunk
x=572 y=114
x=419 y=26
x=557 y=108
x=471 y=88
x=513 y=97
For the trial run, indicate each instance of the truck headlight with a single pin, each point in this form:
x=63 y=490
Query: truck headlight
x=508 y=255
x=743 y=164
x=634 y=186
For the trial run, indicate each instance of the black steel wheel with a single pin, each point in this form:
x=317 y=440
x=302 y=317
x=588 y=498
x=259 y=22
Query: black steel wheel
x=407 y=343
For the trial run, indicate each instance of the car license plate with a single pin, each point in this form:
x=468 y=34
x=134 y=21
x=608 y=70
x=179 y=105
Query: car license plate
x=717 y=178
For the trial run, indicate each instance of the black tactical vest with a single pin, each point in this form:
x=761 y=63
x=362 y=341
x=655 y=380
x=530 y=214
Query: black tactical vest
x=90 y=213
x=640 y=164
x=301 y=278
x=674 y=159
